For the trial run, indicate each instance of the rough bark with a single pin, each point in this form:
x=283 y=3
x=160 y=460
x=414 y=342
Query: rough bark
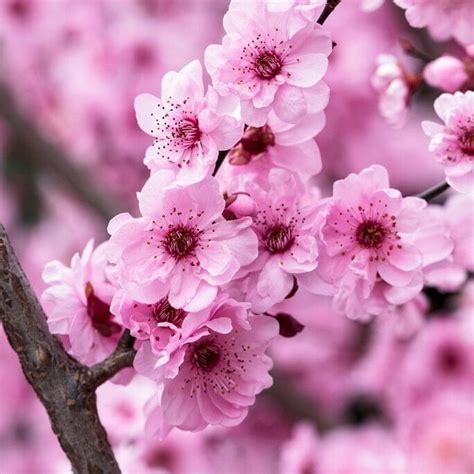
x=65 y=387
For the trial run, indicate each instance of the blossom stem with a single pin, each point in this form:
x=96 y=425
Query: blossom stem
x=410 y=49
x=328 y=9
x=435 y=191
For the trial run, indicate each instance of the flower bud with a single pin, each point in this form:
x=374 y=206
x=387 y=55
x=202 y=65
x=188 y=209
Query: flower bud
x=446 y=73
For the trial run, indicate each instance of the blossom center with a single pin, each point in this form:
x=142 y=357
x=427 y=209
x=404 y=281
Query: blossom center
x=181 y=241
x=370 y=234
x=278 y=239
x=206 y=356
x=467 y=143
x=187 y=132
x=99 y=313
x=257 y=140
x=268 y=65
x=165 y=313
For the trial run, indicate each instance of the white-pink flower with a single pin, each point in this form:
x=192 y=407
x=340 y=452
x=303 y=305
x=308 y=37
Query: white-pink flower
x=270 y=62
x=453 y=142
x=444 y=18
x=367 y=244
x=278 y=144
x=284 y=224
x=181 y=247
x=221 y=373
x=446 y=73
x=187 y=125
x=77 y=304
x=394 y=86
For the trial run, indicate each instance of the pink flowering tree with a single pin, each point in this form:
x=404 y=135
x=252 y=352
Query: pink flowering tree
x=232 y=234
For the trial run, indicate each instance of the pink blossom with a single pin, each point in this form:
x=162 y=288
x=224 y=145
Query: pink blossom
x=277 y=144
x=77 y=303
x=301 y=453
x=371 y=5
x=440 y=358
x=439 y=436
x=444 y=18
x=218 y=379
x=270 y=62
x=189 y=130
x=368 y=251
x=453 y=142
x=446 y=73
x=456 y=221
x=287 y=247
x=161 y=330
x=181 y=246
x=370 y=449
x=395 y=87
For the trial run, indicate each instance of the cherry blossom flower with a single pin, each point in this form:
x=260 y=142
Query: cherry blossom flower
x=277 y=144
x=438 y=436
x=181 y=247
x=269 y=63
x=301 y=453
x=444 y=18
x=447 y=267
x=453 y=142
x=77 y=304
x=218 y=379
x=446 y=73
x=188 y=128
x=395 y=87
x=161 y=330
x=287 y=247
x=368 y=251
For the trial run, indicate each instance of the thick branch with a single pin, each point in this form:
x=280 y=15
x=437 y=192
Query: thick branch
x=328 y=9
x=51 y=158
x=60 y=382
x=121 y=358
x=435 y=191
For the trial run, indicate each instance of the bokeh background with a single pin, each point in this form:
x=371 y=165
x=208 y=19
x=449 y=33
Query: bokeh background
x=363 y=397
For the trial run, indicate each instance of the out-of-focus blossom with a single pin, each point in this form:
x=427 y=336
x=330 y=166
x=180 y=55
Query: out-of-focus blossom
x=453 y=142
x=395 y=87
x=457 y=217
x=221 y=373
x=189 y=130
x=371 y=5
x=368 y=449
x=181 y=247
x=270 y=63
x=301 y=453
x=446 y=73
x=439 y=436
x=77 y=303
x=444 y=18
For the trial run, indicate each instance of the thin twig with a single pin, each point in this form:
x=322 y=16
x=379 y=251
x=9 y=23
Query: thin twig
x=435 y=191
x=120 y=359
x=328 y=9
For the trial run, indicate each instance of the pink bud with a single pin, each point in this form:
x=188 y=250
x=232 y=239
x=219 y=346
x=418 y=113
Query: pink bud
x=240 y=205
x=446 y=73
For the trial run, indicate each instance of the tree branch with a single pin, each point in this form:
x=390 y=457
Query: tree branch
x=121 y=358
x=50 y=157
x=435 y=191
x=328 y=9
x=62 y=384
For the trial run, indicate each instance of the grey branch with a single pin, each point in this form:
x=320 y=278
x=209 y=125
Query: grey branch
x=65 y=387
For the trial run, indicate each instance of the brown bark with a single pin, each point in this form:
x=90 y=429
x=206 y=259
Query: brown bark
x=65 y=387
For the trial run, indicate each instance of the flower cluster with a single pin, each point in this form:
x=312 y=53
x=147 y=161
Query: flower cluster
x=232 y=227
